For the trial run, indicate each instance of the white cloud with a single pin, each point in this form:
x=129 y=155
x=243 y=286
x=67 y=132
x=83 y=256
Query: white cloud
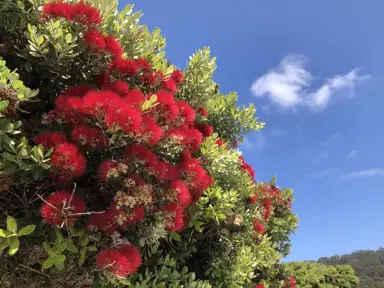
x=287 y=86
x=322 y=174
x=255 y=142
x=332 y=138
x=321 y=156
x=352 y=153
x=362 y=174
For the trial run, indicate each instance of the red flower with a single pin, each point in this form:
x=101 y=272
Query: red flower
x=143 y=64
x=205 y=129
x=151 y=79
x=190 y=138
x=70 y=109
x=107 y=170
x=96 y=103
x=140 y=154
x=252 y=200
x=86 y=14
x=123 y=118
x=167 y=171
x=249 y=169
x=132 y=254
x=259 y=285
x=166 y=107
x=50 y=139
x=174 y=217
x=68 y=162
x=89 y=137
x=181 y=192
x=177 y=76
x=105 y=221
x=186 y=112
x=169 y=85
x=134 y=97
x=94 y=40
x=59 y=207
x=113 y=46
x=220 y=142
x=259 y=228
x=195 y=176
x=126 y=67
x=135 y=215
x=59 y=9
x=203 y=112
x=119 y=87
x=267 y=206
x=114 y=262
x=149 y=132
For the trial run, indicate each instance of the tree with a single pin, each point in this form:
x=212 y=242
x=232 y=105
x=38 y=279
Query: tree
x=369 y=266
x=120 y=170
x=316 y=275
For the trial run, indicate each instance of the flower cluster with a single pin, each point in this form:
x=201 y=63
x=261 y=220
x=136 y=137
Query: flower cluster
x=80 y=12
x=62 y=207
x=267 y=196
x=122 y=262
x=131 y=131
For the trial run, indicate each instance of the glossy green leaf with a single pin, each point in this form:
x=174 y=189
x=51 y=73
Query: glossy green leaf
x=14 y=246
x=26 y=230
x=11 y=224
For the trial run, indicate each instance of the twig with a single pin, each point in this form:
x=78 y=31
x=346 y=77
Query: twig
x=36 y=271
x=42 y=199
x=87 y=213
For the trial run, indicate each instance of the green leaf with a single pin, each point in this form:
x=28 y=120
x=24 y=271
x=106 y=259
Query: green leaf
x=56 y=24
x=26 y=230
x=60 y=265
x=61 y=248
x=60 y=258
x=68 y=38
x=176 y=236
x=4 y=234
x=4 y=244
x=84 y=242
x=17 y=84
x=11 y=224
x=9 y=157
x=83 y=251
x=48 y=263
x=59 y=33
x=3 y=105
x=92 y=248
x=14 y=246
x=72 y=247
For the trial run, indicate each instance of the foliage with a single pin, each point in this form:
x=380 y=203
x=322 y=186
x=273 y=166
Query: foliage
x=312 y=275
x=120 y=168
x=368 y=265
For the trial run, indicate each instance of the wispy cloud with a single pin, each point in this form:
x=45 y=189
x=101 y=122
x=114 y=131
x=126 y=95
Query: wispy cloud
x=352 y=153
x=288 y=85
x=362 y=174
x=321 y=156
x=332 y=138
x=255 y=142
x=321 y=174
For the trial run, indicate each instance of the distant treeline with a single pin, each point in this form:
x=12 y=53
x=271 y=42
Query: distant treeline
x=368 y=266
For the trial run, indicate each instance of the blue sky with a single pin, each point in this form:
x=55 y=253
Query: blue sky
x=314 y=70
